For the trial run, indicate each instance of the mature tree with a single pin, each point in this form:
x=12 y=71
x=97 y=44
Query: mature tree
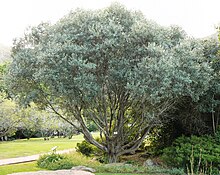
x=3 y=90
x=9 y=119
x=209 y=104
x=31 y=121
x=112 y=67
x=52 y=125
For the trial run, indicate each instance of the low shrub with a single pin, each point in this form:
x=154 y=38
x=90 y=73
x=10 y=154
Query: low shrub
x=217 y=136
x=54 y=162
x=90 y=150
x=130 y=169
x=194 y=154
x=79 y=160
x=85 y=148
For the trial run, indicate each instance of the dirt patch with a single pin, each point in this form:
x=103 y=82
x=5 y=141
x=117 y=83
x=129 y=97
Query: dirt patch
x=58 y=172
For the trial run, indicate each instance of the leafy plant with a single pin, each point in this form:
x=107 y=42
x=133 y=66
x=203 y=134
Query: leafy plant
x=194 y=154
x=54 y=162
x=90 y=150
x=85 y=148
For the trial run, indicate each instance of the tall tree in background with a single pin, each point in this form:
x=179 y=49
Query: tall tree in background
x=112 y=67
x=8 y=117
x=9 y=120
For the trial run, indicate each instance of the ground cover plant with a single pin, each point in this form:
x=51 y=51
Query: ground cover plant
x=54 y=162
x=195 y=154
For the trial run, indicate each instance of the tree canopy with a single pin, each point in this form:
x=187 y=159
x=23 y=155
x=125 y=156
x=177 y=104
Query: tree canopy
x=109 y=66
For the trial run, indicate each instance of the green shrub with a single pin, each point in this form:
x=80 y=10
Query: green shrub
x=200 y=154
x=159 y=170
x=90 y=150
x=79 y=160
x=85 y=148
x=92 y=127
x=217 y=136
x=54 y=162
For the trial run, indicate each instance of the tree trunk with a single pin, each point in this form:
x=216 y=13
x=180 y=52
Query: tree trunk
x=112 y=157
x=6 y=138
x=112 y=150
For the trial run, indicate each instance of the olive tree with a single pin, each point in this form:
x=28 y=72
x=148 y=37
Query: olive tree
x=112 y=67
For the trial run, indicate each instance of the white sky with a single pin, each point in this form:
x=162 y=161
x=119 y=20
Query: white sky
x=197 y=17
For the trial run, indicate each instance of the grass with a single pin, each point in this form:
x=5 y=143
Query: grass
x=24 y=147
x=21 y=167
x=20 y=148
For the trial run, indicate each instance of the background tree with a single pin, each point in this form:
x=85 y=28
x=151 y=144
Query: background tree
x=9 y=119
x=190 y=117
x=3 y=68
x=112 y=67
x=31 y=122
x=41 y=123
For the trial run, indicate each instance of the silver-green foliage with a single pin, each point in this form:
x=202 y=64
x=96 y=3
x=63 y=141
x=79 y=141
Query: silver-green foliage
x=111 y=66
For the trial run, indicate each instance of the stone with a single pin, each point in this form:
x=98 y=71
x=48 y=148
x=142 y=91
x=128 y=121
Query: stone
x=148 y=162
x=83 y=168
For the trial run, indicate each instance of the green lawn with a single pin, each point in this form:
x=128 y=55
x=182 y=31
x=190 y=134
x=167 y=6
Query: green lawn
x=21 y=167
x=26 y=147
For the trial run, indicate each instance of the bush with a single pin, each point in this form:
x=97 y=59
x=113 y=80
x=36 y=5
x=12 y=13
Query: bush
x=92 y=127
x=54 y=162
x=85 y=148
x=90 y=150
x=217 y=136
x=198 y=153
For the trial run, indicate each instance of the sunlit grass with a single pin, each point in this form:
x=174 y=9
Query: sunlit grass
x=34 y=146
x=24 y=147
x=21 y=167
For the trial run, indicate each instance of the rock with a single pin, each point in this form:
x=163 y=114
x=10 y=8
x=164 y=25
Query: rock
x=148 y=162
x=83 y=168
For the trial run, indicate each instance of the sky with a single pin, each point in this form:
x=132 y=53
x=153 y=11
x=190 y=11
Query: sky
x=198 y=18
